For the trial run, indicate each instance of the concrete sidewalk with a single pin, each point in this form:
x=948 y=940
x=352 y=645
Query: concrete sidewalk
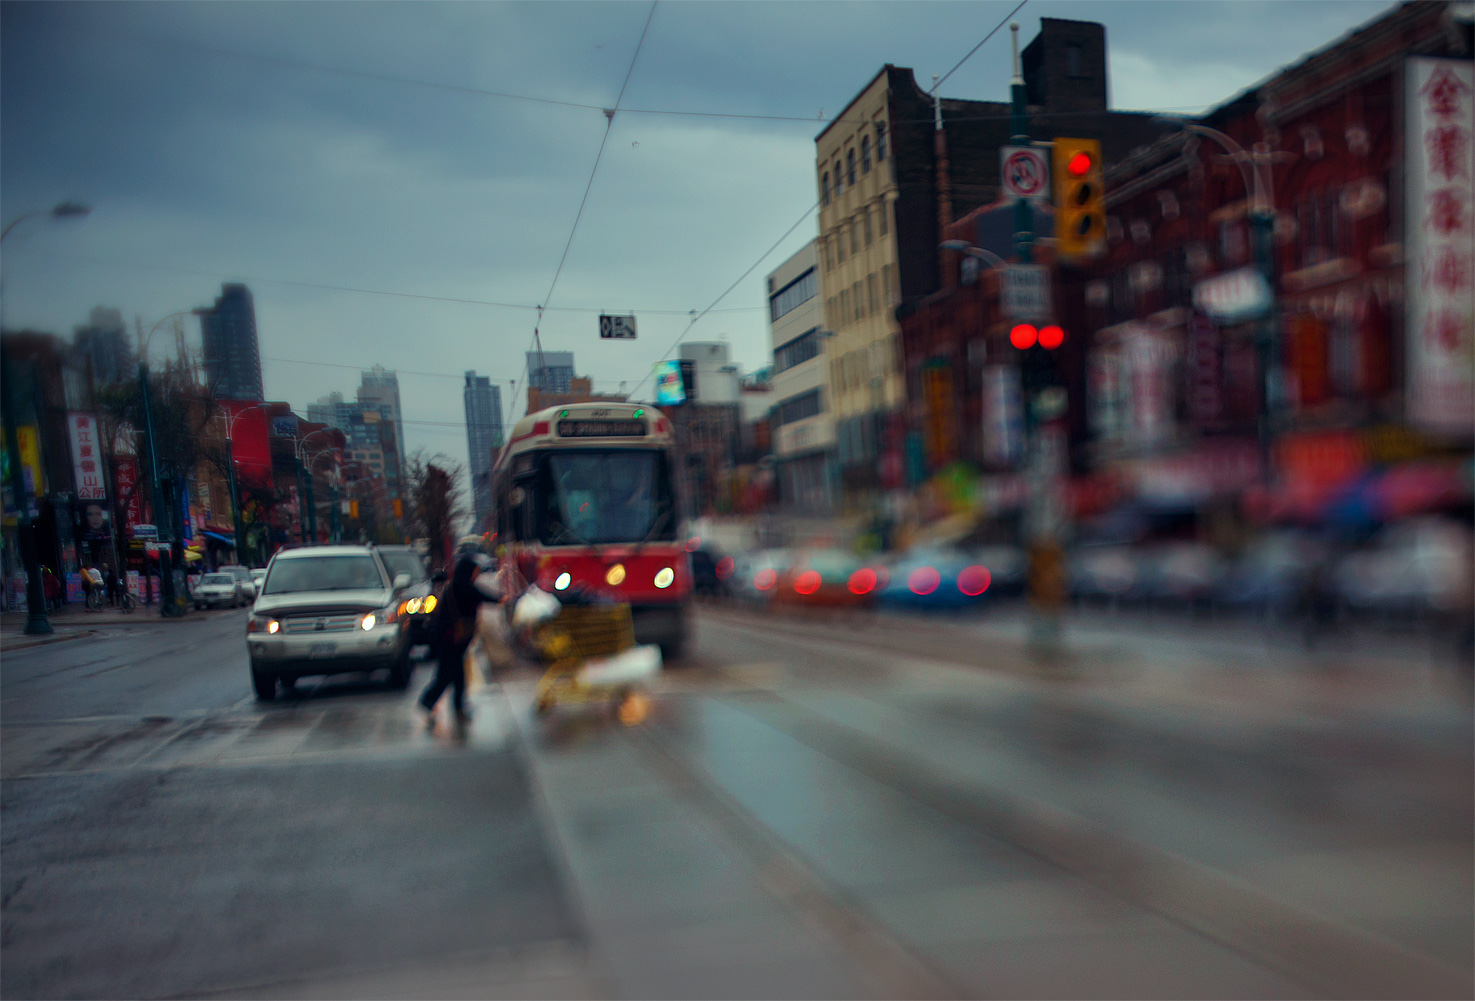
x=74 y=622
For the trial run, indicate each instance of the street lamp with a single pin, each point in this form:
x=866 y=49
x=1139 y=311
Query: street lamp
x=63 y=210
x=1255 y=170
x=964 y=247
x=37 y=624
x=309 y=517
x=230 y=466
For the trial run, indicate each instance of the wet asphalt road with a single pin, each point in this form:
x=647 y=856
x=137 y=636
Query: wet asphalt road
x=832 y=808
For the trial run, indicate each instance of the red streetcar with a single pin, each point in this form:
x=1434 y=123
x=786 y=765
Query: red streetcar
x=586 y=500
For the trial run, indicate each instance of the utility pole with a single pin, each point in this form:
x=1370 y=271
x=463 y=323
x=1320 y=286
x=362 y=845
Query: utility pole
x=37 y=624
x=169 y=607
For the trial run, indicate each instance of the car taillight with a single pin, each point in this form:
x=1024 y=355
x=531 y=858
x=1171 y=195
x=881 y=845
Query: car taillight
x=724 y=568
x=807 y=582
x=974 y=580
x=863 y=581
x=764 y=579
x=924 y=580
x=694 y=543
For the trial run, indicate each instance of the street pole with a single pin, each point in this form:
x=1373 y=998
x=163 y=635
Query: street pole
x=168 y=605
x=235 y=497
x=37 y=624
x=1262 y=220
x=301 y=514
x=1045 y=557
x=312 y=508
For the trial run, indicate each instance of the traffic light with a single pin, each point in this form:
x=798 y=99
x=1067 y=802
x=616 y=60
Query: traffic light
x=353 y=509
x=1080 y=199
x=399 y=508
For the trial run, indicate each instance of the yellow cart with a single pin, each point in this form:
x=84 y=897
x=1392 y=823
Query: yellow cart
x=590 y=657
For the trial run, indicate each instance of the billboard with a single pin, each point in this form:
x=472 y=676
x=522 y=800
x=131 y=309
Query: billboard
x=86 y=457
x=670 y=388
x=1439 y=308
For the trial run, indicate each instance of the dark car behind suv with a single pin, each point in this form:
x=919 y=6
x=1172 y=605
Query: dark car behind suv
x=418 y=600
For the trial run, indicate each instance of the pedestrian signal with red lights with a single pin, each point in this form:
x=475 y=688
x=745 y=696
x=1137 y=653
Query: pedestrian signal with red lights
x=1080 y=199
x=1024 y=336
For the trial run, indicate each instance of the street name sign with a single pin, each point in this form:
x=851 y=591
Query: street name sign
x=1026 y=291
x=619 y=328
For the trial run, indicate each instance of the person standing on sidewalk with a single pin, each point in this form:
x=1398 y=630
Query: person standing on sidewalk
x=453 y=627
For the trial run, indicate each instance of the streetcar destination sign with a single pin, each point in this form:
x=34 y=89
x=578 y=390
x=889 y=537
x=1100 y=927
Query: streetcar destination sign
x=601 y=429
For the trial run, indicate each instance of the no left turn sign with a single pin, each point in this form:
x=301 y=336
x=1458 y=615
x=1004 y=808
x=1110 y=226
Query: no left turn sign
x=1025 y=172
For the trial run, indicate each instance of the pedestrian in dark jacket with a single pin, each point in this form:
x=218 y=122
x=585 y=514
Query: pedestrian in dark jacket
x=453 y=627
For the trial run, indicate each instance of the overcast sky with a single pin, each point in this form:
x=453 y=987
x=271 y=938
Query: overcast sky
x=355 y=146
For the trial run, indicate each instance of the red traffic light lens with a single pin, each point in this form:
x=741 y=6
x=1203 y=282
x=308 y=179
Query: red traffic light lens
x=1023 y=336
x=1078 y=165
x=1051 y=337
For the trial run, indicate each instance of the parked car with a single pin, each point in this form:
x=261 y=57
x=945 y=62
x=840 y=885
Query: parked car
x=933 y=578
x=826 y=577
x=1181 y=573
x=418 y=600
x=258 y=574
x=327 y=610
x=755 y=574
x=1104 y=572
x=216 y=590
x=242 y=576
x=1418 y=566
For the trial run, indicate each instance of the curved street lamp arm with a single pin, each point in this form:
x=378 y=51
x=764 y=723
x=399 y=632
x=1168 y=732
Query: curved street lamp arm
x=963 y=247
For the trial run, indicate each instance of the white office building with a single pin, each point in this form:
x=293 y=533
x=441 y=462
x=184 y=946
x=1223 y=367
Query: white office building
x=801 y=422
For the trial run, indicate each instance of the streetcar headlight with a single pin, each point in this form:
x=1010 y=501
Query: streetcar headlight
x=616 y=575
x=665 y=576
x=563 y=581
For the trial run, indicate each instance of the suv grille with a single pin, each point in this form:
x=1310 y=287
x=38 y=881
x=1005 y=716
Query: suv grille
x=333 y=623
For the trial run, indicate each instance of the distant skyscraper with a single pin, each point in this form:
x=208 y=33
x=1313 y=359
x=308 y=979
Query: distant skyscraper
x=103 y=342
x=483 y=437
x=232 y=357
x=551 y=371
x=379 y=389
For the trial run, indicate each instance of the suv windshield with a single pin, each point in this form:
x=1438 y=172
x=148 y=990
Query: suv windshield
x=324 y=573
x=403 y=561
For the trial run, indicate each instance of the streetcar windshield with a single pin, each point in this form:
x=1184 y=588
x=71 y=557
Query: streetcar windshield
x=607 y=496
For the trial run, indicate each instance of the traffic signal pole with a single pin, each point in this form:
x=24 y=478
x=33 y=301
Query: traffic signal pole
x=1046 y=557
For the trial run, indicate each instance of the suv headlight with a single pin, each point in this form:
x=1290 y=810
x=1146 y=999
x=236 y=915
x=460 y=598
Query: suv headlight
x=263 y=624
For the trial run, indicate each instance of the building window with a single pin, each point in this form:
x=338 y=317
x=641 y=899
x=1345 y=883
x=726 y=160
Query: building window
x=796 y=408
x=824 y=254
x=797 y=351
x=871 y=299
x=1073 y=61
x=880 y=141
x=888 y=279
x=794 y=294
x=854 y=238
x=824 y=188
x=839 y=179
x=850 y=168
x=835 y=375
x=865 y=154
x=885 y=215
x=844 y=306
x=867 y=211
x=857 y=302
x=840 y=244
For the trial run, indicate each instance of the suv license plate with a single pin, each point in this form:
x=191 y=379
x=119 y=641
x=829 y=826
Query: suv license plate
x=320 y=650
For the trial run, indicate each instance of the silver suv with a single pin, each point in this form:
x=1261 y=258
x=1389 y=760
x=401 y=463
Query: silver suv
x=327 y=610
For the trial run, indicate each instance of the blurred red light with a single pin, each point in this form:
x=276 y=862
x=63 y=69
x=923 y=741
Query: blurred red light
x=693 y=543
x=807 y=582
x=764 y=579
x=1079 y=165
x=1022 y=336
x=974 y=580
x=863 y=581
x=1051 y=337
x=724 y=568
x=924 y=580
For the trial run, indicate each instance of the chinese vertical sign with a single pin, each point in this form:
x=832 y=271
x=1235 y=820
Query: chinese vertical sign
x=86 y=457
x=1438 y=292
x=126 y=471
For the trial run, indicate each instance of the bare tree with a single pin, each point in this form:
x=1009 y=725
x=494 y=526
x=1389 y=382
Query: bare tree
x=436 y=500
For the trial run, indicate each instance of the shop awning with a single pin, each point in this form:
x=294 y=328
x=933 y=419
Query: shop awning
x=226 y=539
